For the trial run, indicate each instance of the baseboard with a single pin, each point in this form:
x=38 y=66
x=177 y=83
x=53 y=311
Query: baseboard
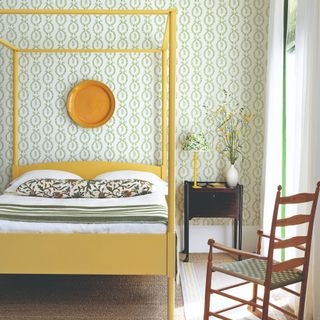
x=199 y=236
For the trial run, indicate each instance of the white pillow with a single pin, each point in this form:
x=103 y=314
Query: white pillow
x=39 y=174
x=159 y=185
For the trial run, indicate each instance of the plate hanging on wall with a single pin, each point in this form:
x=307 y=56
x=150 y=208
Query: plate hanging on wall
x=90 y=104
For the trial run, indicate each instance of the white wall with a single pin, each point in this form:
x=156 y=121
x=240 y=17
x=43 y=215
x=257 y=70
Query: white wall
x=199 y=236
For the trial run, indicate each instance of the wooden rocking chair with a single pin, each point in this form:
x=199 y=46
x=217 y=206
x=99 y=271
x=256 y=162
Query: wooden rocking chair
x=264 y=271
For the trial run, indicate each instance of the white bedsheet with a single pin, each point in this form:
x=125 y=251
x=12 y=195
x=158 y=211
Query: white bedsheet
x=40 y=227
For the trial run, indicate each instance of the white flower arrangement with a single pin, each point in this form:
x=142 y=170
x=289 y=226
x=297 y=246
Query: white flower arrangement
x=231 y=127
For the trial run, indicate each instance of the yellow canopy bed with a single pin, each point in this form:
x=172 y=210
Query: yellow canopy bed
x=99 y=253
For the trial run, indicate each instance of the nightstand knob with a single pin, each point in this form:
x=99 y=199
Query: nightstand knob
x=213 y=196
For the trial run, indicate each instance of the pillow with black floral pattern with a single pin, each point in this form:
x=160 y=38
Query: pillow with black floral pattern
x=72 y=188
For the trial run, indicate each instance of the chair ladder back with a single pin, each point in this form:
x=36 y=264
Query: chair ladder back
x=293 y=220
x=300 y=242
x=291 y=242
x=297 y=198
x=305 y=269
x=288 y=264
x=310 y=230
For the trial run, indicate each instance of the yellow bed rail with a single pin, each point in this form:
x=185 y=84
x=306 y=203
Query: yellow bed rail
x=86 y=12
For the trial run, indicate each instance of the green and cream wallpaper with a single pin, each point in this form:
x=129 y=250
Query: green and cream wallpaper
x=221 y=45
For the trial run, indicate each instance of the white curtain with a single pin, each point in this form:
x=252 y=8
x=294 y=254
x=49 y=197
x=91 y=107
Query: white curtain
x=273 y=114
x=274 y=126
x=308 y=101
x=303 y=125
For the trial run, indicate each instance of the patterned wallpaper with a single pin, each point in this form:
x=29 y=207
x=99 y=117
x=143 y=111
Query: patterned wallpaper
x=221 y=45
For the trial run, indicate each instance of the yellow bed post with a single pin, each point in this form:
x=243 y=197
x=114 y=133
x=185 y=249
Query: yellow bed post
x=164 y=167
x=15 y=108
x=164 y=100
x=172 y=160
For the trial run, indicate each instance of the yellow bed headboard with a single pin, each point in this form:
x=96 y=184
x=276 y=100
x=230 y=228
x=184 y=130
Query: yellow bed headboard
x=88 y=169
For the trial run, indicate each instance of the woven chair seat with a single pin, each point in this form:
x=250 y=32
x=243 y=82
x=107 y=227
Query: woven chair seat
x=255 y=270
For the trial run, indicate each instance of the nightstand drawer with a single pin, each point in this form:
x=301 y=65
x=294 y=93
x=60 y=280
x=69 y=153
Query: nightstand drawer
x=214 y=204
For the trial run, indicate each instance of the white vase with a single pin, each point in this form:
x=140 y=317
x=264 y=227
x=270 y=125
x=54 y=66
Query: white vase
x=232 y=176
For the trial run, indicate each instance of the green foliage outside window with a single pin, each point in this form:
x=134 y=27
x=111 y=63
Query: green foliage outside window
x=292 y=21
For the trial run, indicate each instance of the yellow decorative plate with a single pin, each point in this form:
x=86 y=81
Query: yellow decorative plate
x=90 y=104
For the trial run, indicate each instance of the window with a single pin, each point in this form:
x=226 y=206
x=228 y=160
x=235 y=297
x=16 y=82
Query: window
x=292 y=21
x=291 y=117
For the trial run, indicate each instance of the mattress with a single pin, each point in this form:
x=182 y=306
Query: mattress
x=13 y=200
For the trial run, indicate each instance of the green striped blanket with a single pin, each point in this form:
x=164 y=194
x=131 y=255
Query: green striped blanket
x=80 y=214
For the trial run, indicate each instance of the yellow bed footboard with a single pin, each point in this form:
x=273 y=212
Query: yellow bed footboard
x=134 y=254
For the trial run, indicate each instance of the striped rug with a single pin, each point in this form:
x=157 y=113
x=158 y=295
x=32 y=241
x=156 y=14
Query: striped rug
x=192 y=297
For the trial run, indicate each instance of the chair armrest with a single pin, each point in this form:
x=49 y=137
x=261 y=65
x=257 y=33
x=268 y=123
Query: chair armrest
x=237 y=252
x=260 y=233
x=265 y=235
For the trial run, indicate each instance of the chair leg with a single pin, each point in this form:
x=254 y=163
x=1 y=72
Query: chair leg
x=266 y=299
x=208 y=287
x=207 y=295
x=302 y=299
x=254 y=296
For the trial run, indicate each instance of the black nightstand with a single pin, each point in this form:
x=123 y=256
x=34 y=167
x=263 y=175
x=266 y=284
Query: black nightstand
x=209 y=202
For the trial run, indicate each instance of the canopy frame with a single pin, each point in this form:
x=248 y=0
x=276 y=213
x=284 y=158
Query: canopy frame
x=168 y=39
